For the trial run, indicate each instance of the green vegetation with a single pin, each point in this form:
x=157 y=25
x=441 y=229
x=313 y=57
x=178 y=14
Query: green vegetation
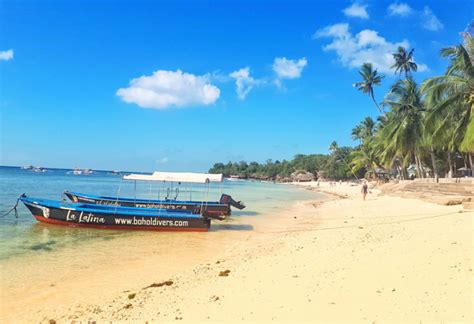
x=370 y=78
x=334 y=166
x=428 y=128
x=404 y=62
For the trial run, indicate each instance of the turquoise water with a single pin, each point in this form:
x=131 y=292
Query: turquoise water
x=24 y=236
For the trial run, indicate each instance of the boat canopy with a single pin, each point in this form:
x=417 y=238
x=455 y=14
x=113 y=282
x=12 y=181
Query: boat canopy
x=176 y=177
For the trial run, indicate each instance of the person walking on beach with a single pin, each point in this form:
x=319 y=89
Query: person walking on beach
x=365 y=189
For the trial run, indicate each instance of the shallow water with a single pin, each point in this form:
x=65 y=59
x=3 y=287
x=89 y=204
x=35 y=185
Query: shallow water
x=45 y=265
x=23 y=237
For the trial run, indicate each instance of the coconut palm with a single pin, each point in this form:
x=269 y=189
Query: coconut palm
x=358 y=133
x=365 y=157
x=364 y=130
x=370 y=78
x=333 y=146
x=404 y=62
x=450 y=99
x=369 y=126
x=402 y=133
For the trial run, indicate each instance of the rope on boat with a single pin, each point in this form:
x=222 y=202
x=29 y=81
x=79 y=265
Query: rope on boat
x=177 y=193
x=149 y=193
x=118 y=195
x=13 y=208
x=204 y=210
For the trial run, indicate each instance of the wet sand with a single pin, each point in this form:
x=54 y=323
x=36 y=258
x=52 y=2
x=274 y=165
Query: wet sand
x=385 y=259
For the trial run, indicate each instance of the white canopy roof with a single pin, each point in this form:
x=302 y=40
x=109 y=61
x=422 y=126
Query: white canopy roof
x=176 y=177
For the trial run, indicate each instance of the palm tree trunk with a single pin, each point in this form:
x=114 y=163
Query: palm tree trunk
x=422 y=169
x=404 y=172
x=450 y=164
x=435 y=168
x=375 y=102
x=455 y=167
x=471 y=163
x=418 y=167
x=399 y=170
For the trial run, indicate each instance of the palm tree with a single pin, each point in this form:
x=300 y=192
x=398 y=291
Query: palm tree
x=404 y=62
x=358 y=133
x=370 y=78
x=402 y=133
x=333 y=146
x=369 y=126
x=366 y=156
x=451 y=99
x=364 y=130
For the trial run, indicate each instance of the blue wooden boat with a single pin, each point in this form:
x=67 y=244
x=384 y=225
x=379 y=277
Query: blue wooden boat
x=115 y=217
x=218 y=209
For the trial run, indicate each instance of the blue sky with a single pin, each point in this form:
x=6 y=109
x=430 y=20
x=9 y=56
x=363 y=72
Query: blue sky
x=213 y=81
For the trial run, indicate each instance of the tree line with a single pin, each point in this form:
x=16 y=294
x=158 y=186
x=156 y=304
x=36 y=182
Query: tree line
x=332 y=166
x=422 y=130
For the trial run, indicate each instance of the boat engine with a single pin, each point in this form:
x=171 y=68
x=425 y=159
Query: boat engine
x=227 y=199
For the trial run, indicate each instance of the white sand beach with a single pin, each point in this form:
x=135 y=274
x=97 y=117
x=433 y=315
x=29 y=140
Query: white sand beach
x=384 y=259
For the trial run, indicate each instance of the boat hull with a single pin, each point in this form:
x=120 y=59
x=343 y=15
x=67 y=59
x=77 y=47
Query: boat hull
x=111 y=220
x=212 y=210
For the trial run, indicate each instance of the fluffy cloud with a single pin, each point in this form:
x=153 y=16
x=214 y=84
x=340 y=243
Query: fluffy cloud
x=288 y=69
x=365 y=46
x=6 y=55
x=399 y=9
x=243 y=82
x=430 y=21
x=164 y=89
x=357 y=10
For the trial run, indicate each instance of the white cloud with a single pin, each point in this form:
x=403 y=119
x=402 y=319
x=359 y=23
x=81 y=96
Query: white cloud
x=357 y=10
x=430 y=21
x=164 y=89
x=6 y=55
x=399 y=9
x=288 y=69
x=336 y=30
x=163 y=160
x=365 y=46
x=422 y=67
x=243 y=82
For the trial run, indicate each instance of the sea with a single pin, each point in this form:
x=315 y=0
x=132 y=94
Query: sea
x=22 y=237
x=65 y=266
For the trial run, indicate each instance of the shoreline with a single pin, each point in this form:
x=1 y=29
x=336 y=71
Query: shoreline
x=331 y=260
x=44 y=283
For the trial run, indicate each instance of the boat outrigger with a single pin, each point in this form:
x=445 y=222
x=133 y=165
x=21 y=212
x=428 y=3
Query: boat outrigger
x=211 y=208
x=115 y=217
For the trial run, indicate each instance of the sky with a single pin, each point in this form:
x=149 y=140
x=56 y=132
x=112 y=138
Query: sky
x=180 y=85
